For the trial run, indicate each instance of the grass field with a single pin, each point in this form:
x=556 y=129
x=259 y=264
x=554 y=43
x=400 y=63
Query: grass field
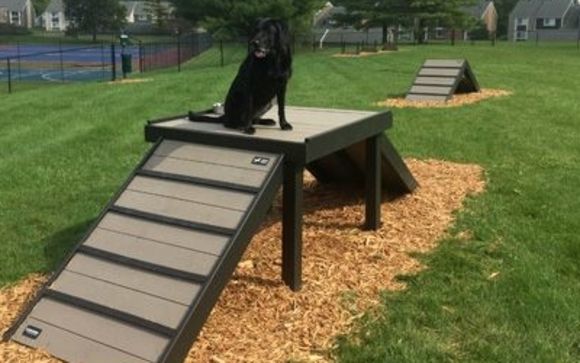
x=508 y=290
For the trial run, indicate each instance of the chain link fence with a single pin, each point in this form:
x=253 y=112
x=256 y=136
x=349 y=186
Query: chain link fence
x=32 y=66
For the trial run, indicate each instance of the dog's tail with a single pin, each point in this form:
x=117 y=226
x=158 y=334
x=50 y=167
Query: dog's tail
x=203 y=117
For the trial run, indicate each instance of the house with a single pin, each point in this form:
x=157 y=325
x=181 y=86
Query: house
x=17 y=12
x=483 y=11
x=140 y=12
x=324 y=17
x=545 y=20
x=486 y=12
x=53 y=19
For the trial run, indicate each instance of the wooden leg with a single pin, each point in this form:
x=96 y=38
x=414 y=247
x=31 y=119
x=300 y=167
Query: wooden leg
x=292 y=226
x=373 y=183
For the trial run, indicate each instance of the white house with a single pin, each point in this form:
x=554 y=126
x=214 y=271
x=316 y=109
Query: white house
x=139 y=12
x=53 y=19
x=17 y=12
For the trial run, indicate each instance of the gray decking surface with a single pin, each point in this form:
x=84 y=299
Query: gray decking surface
x=307 y=123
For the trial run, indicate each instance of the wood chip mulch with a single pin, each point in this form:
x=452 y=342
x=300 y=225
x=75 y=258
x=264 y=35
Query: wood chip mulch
x=257 y=319
x=457 y=100
x=130 y=81
x=362 y=54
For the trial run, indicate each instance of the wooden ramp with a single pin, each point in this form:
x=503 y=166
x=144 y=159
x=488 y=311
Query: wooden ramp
x=142 y=282
x=440 y=79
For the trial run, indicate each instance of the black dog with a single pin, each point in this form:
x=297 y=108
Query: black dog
x=263 y=75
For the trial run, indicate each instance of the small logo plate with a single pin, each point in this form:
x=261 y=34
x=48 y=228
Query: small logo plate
x=32 y=332
x=260 y=160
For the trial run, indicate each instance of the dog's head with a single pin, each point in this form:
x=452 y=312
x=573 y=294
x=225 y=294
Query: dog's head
x=270 y=37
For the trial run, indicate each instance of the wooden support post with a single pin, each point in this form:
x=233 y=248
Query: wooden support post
x=373 y=183
x=292 y=226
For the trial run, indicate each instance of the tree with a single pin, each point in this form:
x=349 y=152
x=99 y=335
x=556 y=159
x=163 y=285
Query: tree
x=94 y=16
x=504 y=8
x=366 y=14
x=238 y=18
x=157 y=10
x=40 y=6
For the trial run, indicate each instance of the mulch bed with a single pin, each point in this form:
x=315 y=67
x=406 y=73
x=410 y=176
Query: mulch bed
x=457 y=100
x=258 y=319
x=362 y=54
x=130 y=80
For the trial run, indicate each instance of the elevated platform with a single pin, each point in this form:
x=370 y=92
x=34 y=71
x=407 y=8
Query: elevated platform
x=141 y=283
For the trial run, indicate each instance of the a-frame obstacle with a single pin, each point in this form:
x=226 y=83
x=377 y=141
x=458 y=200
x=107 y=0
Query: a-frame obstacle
x=141 y=283
x=440 y=79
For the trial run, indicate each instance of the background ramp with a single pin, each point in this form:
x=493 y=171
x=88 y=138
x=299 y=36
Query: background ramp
x=348 y=166
x=440 y=79
x=142 y=282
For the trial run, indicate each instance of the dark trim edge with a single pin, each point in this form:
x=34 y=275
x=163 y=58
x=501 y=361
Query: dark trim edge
x=109 y=312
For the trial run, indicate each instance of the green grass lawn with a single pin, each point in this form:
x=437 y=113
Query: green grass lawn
x=65 y=150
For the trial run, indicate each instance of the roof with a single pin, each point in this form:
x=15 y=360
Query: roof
x=54 y=6
x=15 y=5
x=478 y=9
x=541 y=8
x=554 y=8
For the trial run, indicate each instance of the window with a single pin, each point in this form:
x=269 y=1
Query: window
x=522 y=21
x=549 y=22
x=15 y=17
x=55 y=21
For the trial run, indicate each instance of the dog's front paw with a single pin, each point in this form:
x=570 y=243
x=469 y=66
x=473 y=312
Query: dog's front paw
x=250 y=130
x=285 y=126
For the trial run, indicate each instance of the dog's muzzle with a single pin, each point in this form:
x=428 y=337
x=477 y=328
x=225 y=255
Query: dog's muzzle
x=260 y=53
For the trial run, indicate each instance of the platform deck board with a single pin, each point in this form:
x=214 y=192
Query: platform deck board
x=317 y=132
x=306 y=122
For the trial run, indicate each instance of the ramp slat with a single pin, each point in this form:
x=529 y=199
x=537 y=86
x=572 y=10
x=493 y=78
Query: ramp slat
x=213 y=155
x=196 y=169
x=431 y=90
x=179 y=209
x=73 y=347
x=198 y=181
x=445 y=63
x=193 y=193
x=415 y=97
x=178 y=236
x=151 y=252
x=125 y=300
x=434 y=81
x=179 y=291
x=107 y=331
x=440 y=72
